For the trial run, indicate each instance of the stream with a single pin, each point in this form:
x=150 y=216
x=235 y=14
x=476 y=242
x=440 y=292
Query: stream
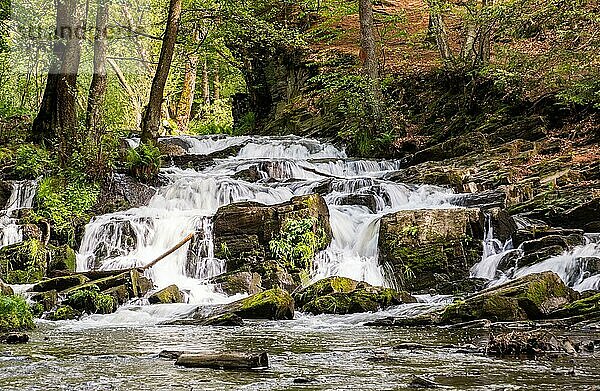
x=119 y=351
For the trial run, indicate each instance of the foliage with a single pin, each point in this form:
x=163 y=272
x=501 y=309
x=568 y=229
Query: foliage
x=92 y=301
x=15 y=314
x=215 y=118
x=23 y=263
x=32 y=161
x=297 y=243
x=65 y=202
x=144 y=161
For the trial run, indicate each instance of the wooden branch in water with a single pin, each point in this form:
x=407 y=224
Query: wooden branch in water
x=234 y=360
x=171 y=251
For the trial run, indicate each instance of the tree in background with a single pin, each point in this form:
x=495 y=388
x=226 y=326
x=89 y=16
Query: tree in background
x=99 y=82
x=151 y=120
x=369 y=56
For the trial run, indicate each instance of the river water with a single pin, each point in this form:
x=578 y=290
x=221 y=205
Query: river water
x=120 y=351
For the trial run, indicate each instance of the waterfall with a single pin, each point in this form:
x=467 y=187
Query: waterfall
x=579 y=268
x=287 y=167
x=21 y=197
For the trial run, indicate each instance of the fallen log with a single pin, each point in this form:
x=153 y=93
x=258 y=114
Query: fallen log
x=233 y=360
x=171 y=251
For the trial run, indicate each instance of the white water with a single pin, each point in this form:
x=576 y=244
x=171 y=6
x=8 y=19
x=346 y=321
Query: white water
x=288 y=166
x=21 y=197
x=573 y=266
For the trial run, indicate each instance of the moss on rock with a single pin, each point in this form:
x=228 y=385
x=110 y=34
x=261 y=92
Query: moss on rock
x=23 y=263
x=92 y=301
x=170 y=294
x=65 y=312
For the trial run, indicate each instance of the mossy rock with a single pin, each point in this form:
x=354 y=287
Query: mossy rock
x=119 y=293
x=341 y=295
x=64 y=312
x=239 y=281
x=48 y=300
x=91 y=301
x=61 y=258
x=5 y=289
x=15 y=314
x=23 y=263
x=535 y=296
x=587 y=306
x=275 y=304
x=170 y=294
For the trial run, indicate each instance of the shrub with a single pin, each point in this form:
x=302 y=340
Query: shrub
x=15 y=314
x=32 y=161
x=144 y=161
x=297 y=243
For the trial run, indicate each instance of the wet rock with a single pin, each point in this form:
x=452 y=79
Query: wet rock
x=195 y=162
x=121 y=192
x=489 y=199
x=169 y=147
x=502 y=223
x=275 y=275
x=304 y=380
x=226 y=320
x=586 y=215
x=426 y=247
x=119 y=293
x=170 y=294
x=340 y=295
x=588 y=306
x=532 y=258
x=64 y=312
x=466 y=285
x=367 y=200
x=243 y=231
x=137 y=285
x=48 y=300
x=544 y=242
x=14 y=338
x=238 y=282
x=529 y=343
x=91 y=301
x=5 y=192
x=61 y=258
x=538 y=231
x=274 y=304
x=422 y=382
x=250 y=174
x=5 y=289
x=60 y=284
x=534 y=296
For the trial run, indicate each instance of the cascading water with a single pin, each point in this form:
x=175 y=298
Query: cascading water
x=22 y=195
x=288 y=166
x=579 y=267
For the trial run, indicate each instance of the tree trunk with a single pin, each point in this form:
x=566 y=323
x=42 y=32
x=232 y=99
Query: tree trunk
x=46 y=122
x=99 y=80
x=438 y=28
x=205 y=83
x=369 y=54
x=151 y=118
x=216 y=83
x=186 y=100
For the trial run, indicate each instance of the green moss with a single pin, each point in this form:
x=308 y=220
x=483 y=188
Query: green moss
x=91 y=301
x=23 y=263
x=65 y=313
x=15 y=314
x=584 y=306
x=271 y=304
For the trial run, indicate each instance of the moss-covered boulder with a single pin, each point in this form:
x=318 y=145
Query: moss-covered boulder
x=15 y=314
x=64 y=312
x=91 y=301
x=275 y=304
x=61 y=258
x=137 y=285
x=432 y=246
x=587 y=306
x=170 y=294
x=245 y=231
x=23 y=263
x=340 y=295
x=535 y=296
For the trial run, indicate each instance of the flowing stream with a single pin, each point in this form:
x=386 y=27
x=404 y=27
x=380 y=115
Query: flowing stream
x=119 y=351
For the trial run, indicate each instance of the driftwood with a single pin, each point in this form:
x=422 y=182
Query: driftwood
x=233 y=360
x=171 y=251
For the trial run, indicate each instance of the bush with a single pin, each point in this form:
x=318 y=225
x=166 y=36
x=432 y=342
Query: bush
x=143 y=162
x=15 y=314
x=92 y=301
x=32 y=161
x=65 y=202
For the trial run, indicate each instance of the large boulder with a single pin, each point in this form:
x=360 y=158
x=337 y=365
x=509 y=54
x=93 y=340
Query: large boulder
x=431 y=246
x=5 y=289
x=275 y=304
x=238 y=282
x=170 y=294
x=341 y=295
x=244 y=231
x=535 y=296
